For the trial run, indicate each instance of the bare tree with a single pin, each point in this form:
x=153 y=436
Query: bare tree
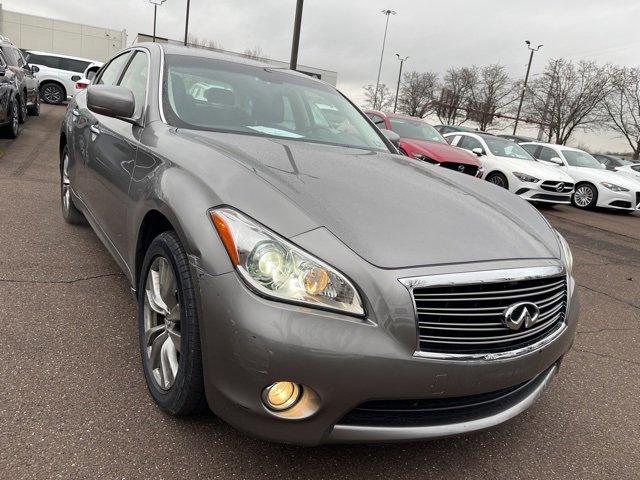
x=382 y=101
x=456 y=87
x=622 y=106
x=568 y=96
x=204 y=42
x=492 y=91
x=417 y=93
x=254 y=53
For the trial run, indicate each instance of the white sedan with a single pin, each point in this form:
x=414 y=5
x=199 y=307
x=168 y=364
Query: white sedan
x=507 y=165
x=595 y=185
x=628 y=168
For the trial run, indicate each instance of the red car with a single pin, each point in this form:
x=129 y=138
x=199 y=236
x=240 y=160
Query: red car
x=421 y=141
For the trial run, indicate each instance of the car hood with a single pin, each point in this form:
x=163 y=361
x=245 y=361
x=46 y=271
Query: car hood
x=390 y=210
x=536 y=169
x=441 y=152
x=597 y=175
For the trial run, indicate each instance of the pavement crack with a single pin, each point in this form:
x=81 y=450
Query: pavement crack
x=47 y=282
x=626 y=302
x=605 y=355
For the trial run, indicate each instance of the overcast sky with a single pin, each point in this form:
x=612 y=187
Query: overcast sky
x=346 y=35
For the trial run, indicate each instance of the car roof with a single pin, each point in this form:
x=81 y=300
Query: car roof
x=49 y=54
x=554 y=145
x=170 y=49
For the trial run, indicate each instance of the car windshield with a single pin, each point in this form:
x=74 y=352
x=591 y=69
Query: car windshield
x=625 y=163
x=218 y=95
x=506 y=148
x=415 y=130
x=581 y=159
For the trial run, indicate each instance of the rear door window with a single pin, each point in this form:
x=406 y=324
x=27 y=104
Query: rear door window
x=532 y=150
x=73 y=65
x=546 y=154
x=469 y=143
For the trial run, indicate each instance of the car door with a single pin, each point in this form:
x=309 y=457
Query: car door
x=111 y=150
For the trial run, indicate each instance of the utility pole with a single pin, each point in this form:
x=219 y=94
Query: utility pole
x=186 y=23
x=526 y=79
x=297 y=23
x=155 y=4
x=388 y=13
x=402 y=60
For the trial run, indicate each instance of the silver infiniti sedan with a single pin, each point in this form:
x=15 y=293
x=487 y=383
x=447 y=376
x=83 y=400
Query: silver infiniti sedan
x=294 y=273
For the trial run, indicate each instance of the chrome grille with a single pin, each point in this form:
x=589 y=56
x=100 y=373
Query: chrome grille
x=467 y=318
x=552 y=186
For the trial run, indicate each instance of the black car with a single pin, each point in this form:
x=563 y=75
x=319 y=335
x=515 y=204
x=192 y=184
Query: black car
x=518 y=138
x=27 y=83
x=9 y=100
x=612 y=162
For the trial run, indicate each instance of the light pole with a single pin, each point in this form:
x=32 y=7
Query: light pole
x=297 y=23
x=526 y=79
x=402 y=60
x=388 y=13
x=186 y=23
x=155 y=4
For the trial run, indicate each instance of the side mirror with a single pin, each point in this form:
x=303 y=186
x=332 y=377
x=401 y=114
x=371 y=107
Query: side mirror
x=111 y=101
x=478 y=151
x=34 y=69
x=556 y=161
x=393 y=137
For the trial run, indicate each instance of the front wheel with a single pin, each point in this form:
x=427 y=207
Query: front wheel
x=585 y=196
x=69 y=211
x=22 y=109
x=12 y=129
x=498 y=179
x=168 y=328
x=52 y=93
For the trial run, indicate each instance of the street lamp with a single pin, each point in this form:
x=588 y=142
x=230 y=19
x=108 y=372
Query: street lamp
x=402 y=60
x=293 y=64
x=387 y=13
x=155 y=4
x=186 y=23
x=526 y=79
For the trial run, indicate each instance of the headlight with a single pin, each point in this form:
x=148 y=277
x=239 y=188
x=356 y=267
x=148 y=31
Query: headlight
x=423 y=158
x=523 y=177
x=614 y=187
x=480 y=171
x=279 y=269
x=567 y=256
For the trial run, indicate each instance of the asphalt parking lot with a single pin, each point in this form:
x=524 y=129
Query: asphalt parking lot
x=73 y=402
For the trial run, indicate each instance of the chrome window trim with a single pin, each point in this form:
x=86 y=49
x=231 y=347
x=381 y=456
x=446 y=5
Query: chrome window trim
x=160 y=81
x=479 y=277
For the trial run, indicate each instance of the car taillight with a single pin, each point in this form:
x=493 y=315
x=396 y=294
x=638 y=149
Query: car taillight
x=81 y=85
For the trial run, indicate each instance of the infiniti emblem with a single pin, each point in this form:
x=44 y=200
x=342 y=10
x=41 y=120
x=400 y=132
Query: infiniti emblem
x=560 y=187
x=521 y=314
x=461 y=168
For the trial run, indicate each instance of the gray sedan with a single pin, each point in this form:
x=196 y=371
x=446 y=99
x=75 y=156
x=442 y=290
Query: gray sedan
x=293 y=272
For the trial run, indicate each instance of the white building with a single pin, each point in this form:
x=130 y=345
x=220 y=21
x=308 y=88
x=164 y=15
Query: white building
x=56 y=36
x=328 y=76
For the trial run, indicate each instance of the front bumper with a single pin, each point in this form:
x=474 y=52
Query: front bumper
x=249 y=342
x=618 y=200
x=533 y=192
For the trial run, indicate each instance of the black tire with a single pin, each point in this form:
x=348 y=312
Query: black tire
x=498 y=179
x=52 y=93
x=186 y=395
x=22 y=109
x=70 y=213
x=12 y=128
x=34 y=110
x=587 y=196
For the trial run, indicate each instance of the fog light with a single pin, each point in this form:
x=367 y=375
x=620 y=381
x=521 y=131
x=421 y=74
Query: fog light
x=281 y=395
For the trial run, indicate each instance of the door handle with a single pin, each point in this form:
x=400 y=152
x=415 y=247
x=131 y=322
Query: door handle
x=75 y=112
x=95 y=129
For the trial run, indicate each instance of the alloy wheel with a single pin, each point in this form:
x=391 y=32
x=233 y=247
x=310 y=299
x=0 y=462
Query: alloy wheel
x=497 y=180
x=15 y=121
x=66 y=184
x=583 y=196
x=52 y=94
x=162 y=323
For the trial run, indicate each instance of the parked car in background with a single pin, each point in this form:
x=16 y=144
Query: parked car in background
x=9 y=100
x=57 y=74
x=509 y=166
x=628 y=168
x=29 y=102
x=421 y=141
x=295 y=272
x=88 y=75
x=443 y=129
x=594 y=185
x=517 y=138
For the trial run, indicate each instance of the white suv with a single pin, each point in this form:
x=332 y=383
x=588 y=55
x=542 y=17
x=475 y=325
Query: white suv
x=58 y=74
